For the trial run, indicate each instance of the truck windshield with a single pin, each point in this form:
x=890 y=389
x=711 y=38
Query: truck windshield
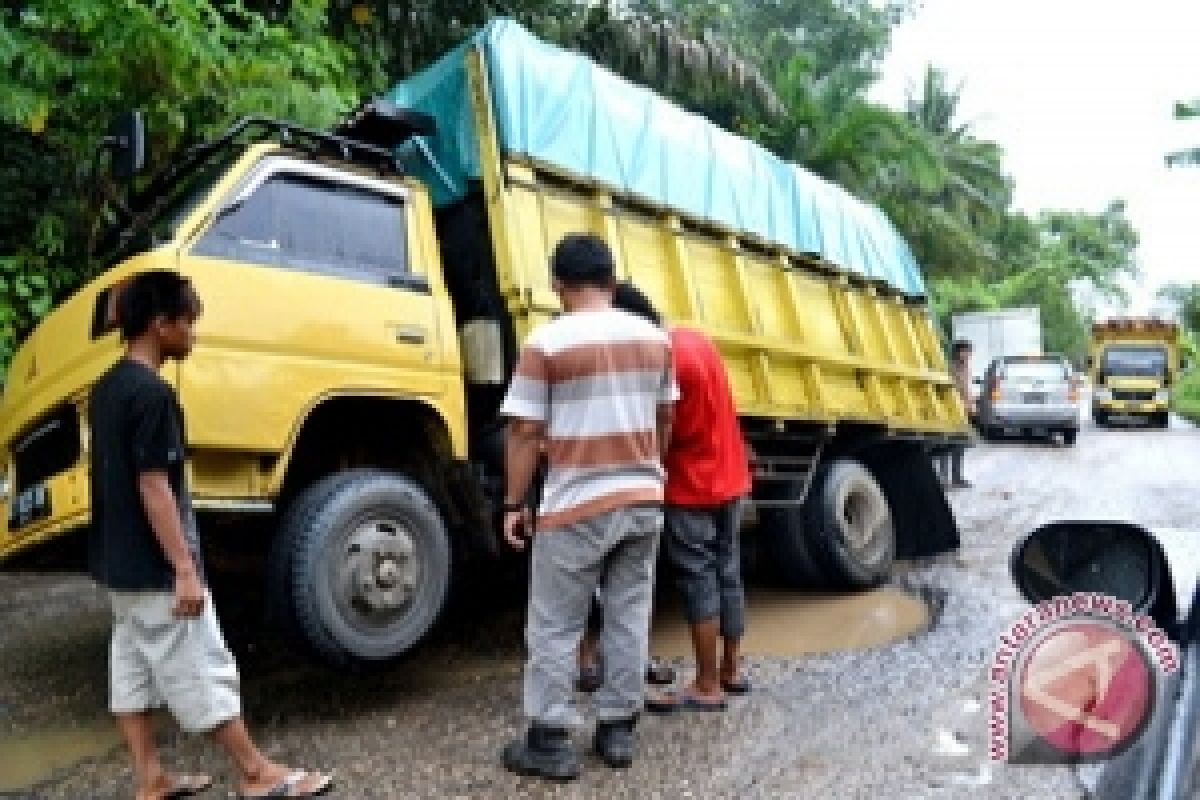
x=1139 y=362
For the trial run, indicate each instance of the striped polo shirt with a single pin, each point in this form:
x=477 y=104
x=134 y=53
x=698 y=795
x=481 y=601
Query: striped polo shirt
x=596 y=379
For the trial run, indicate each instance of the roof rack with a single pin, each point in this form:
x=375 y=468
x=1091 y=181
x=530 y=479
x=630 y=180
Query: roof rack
x=368 y=136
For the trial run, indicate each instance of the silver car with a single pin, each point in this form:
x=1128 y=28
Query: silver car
x=1029 y=396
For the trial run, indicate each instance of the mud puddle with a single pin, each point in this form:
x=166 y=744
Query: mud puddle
x=27 y=759
x=780 y=623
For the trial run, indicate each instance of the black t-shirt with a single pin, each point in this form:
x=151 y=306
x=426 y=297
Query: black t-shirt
x=136 y=426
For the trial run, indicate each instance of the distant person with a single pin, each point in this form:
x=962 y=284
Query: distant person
x=167 y=648
x=950 y=459
x=593 y=390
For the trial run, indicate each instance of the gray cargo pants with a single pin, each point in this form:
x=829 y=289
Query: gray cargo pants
x=615 y=551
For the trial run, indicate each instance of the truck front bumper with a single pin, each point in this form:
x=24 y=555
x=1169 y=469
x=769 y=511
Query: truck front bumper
x=1131 y=407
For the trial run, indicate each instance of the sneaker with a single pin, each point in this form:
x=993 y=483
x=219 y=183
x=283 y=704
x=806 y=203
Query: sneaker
x=614 y=742
x=544 y=753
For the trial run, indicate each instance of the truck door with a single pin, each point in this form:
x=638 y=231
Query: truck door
x=310 y=286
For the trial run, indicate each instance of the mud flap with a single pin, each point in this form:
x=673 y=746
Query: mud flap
x=925 y=524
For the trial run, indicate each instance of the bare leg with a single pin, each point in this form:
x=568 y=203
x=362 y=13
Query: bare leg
x=256 y=773
x=138 y=731
x=588 y=647
x=730 y=660
x=707 y=683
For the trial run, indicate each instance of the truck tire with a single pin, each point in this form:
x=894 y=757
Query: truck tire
x=360 y=566
x=783 y=534
x=1069 y=436
x=1100 y=418
x=850 y=523
x=1162 y=419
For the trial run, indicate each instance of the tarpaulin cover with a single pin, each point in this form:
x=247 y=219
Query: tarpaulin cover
x=560 y=108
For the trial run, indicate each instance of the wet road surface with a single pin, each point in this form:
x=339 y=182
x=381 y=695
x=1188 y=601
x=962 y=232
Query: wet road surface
x=899 y=720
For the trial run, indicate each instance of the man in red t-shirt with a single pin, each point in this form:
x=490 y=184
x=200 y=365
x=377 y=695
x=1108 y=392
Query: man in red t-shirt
x=707 y=479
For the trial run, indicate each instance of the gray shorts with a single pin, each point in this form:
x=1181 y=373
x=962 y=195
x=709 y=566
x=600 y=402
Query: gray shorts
x=702 y=547
x=157 y=659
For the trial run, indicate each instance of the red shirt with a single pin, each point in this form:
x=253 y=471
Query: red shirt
x=706 y=459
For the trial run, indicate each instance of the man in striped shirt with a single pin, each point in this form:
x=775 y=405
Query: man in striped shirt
x=593 y=390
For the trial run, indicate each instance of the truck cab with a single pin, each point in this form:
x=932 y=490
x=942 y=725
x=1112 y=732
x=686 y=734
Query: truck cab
x=1133 y=364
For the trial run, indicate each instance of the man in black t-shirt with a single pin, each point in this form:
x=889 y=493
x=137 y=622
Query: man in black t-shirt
x=167 y=648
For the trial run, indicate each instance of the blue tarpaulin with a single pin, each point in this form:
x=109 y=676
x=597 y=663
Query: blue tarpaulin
x=560 y=108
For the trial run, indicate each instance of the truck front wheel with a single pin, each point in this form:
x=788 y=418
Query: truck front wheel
x=361 y=566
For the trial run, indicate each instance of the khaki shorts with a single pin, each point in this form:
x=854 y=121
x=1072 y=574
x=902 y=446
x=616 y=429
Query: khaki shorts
x=157 y=659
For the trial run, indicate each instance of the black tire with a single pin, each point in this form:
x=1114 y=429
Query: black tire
x=1100 y=418
x=1162 y=420
x=783 y=534
x=335 y=532
x=1069 y=436
x=850 y=522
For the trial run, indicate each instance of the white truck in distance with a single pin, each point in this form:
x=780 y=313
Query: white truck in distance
x=993 y=334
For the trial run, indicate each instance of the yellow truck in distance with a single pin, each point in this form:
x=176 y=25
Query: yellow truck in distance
x=361 y=323
x=1133 y=364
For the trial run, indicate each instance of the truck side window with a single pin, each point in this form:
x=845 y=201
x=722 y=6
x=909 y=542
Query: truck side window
x=308 y=224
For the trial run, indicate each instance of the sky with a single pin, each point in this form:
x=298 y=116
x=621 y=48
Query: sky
x=1080 y=95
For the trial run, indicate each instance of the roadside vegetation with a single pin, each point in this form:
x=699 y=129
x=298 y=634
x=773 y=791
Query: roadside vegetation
x=793 y=75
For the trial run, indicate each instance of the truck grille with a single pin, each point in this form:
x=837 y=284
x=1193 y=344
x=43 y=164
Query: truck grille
x=1132 y=396
x=51 y=446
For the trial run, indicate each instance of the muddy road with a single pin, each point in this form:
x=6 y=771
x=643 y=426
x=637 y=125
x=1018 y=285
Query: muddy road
x=900 y=717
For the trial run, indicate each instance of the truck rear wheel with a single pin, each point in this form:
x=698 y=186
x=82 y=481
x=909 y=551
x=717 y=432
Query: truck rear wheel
x=851 y=521
x=1100 y=418
x=1069 y=436
x=361 y=566
x=843 y=535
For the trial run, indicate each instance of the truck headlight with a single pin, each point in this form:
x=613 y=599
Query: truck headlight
x=1162 y=396
x=1103 y=395
x=3 y=487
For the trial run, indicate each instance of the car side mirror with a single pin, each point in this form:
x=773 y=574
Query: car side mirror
x=1119 y=559
x=1112 y=558
x=127 y=141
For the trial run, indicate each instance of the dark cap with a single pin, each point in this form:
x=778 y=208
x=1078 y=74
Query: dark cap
x=583 y=258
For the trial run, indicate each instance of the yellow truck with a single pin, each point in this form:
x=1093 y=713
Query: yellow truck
x=365 y=293
x=1133 y=364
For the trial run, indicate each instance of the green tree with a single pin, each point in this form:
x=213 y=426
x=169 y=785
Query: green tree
x=1185 y=299
x=191 y=65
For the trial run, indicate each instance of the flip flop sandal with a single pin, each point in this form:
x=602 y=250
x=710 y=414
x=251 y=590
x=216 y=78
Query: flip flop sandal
x=188 y=785
x=589 y=680
x=287 y=787
x=682 y=701
x=739 y=686
x=659 y=674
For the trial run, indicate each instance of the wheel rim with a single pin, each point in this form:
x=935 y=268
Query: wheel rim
x=375 y=574
x=865 y=520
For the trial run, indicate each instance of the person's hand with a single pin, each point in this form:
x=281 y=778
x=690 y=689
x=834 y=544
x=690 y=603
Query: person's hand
x=189 y=593
x=517 y=527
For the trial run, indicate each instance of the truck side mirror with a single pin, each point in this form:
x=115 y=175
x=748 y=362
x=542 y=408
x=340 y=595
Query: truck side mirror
x=127 y=141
